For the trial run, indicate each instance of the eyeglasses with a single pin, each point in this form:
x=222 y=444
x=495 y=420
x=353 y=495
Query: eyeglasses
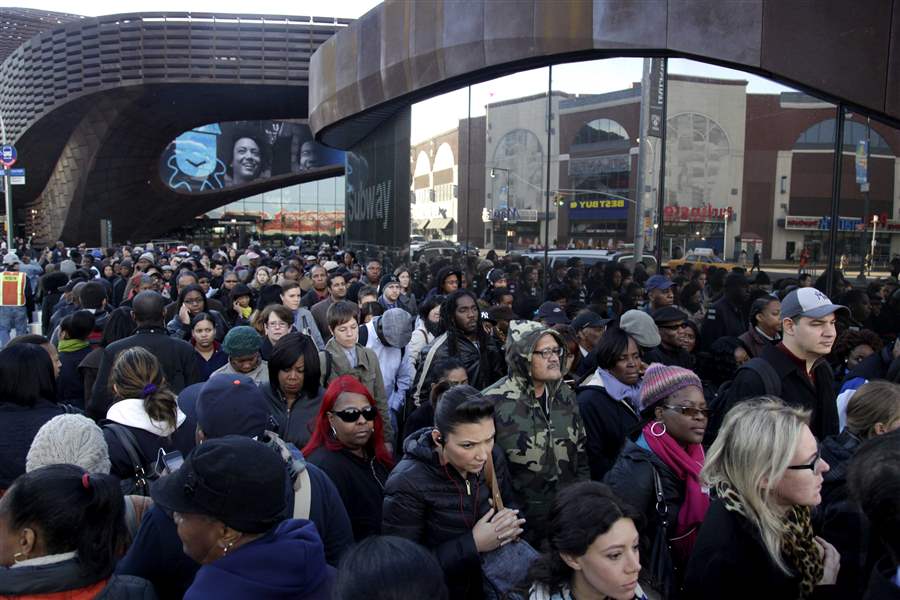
x=811 y=466
x=673 y=327
x=546 y=353
x=277 y=325
x=689 y=411
x=351 y=415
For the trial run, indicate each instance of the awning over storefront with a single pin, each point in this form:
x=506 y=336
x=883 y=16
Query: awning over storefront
x=420 y=224
x=439 y=224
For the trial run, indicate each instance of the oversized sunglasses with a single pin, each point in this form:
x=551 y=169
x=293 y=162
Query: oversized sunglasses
x=351 y=415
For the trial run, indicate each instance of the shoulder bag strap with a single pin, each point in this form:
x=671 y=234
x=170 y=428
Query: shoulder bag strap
x=661 y=508
x=303 y=496
x=491 y=478
x=130 y=445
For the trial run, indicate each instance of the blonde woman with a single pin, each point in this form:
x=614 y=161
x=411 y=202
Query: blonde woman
x=757 y=540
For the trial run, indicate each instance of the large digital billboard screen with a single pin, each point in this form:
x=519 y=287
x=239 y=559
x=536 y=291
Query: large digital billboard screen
x=223 y=155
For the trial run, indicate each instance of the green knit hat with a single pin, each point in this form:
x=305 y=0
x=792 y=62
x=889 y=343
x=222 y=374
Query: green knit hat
x=242 y=341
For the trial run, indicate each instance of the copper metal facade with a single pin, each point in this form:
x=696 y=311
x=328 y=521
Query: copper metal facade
x=401 y=51
x=91 y=106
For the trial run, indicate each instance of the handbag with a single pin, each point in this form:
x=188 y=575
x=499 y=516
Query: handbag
x=660 y=565
x=505 y=568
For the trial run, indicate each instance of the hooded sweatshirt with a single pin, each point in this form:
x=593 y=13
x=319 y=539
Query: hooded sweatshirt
x=544 y=438
x=288 y=563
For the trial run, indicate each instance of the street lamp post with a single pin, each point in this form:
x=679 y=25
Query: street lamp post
x=7 y=190
x=493 y=176
x=872 y=249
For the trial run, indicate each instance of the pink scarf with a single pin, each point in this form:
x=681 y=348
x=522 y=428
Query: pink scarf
x=686 y=465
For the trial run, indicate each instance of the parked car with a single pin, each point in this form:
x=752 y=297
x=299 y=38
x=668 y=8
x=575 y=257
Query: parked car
x=590 y=257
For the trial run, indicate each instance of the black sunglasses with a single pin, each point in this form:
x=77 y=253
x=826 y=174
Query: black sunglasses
x=351 y=415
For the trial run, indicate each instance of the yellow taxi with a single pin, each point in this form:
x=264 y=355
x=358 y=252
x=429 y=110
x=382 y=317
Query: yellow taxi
x=701 y=259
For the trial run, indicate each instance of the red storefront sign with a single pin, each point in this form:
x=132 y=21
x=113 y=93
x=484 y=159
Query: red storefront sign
x=697 y=214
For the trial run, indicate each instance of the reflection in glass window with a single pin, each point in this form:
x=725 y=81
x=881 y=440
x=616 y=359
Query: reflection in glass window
x=520 y=153
x=821 y=135
x=697 y=151
x=599 y=131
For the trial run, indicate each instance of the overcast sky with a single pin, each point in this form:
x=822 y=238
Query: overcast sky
x=318 y=8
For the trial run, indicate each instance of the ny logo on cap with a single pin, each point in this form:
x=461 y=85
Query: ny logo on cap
x=819 y=295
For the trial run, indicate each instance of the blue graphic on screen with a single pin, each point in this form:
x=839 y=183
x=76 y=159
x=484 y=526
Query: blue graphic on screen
x=224 y=155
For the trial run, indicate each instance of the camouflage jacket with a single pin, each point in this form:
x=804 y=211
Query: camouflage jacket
x=545 y=446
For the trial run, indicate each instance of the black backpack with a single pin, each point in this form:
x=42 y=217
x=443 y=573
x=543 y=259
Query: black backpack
x=726 y=396
x=144 y=472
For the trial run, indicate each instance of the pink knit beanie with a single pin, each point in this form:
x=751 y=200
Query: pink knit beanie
x=661 y=381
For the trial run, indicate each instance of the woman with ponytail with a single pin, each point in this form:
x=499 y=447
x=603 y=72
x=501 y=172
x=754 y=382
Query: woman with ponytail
x=63 y=530
x=593 y=548
x=146 y=408
x=348 y=444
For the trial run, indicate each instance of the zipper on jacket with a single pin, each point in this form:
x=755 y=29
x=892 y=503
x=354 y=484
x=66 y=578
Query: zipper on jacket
x=468 y=488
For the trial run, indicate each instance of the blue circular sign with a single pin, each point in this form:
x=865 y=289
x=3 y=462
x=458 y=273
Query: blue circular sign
x=8 y=155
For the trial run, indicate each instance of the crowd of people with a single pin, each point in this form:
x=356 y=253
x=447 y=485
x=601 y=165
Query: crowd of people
x=292 y=423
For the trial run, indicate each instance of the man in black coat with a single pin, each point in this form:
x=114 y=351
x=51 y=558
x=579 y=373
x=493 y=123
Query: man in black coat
x=807 y=381
x=671 y=322
x=728 y=316
x=175 y=356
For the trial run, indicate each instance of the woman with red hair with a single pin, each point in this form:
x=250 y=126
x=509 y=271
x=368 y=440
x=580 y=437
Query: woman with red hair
x=348 y=444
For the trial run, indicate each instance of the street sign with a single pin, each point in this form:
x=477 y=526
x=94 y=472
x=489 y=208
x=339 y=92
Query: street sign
x=862 y=162
x=16 y=176
x=8 y=156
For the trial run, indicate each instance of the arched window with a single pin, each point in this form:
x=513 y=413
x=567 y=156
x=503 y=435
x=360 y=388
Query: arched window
x=443 y=158
x=698 y=162
x=821 y=135
x=599 y=131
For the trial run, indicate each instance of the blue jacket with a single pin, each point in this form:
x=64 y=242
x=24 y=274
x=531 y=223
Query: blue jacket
x=287 y=563
x=156 y=552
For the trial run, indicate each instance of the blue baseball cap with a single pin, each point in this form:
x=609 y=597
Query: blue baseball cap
x=232 y=405
x=659 y=282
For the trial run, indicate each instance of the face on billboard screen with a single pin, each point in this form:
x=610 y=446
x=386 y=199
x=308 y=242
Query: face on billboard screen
x=223 y=155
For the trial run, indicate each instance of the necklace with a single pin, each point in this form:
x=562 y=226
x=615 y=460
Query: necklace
x=375 y=475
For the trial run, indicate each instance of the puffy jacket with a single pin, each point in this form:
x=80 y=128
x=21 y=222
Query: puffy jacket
x=608 y=423
x=631 y=478
x=65 y=580
x=434 y=506
x=544 y=438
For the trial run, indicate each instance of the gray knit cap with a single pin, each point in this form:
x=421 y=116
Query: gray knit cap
x=69 y=439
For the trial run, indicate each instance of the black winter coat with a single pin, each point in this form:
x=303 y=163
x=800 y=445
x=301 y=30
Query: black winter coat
x=881 y=585
x=730 y=561
x=873 y=367
x=839 y=520
x=175 y=356
x=295 y=425
x=360 y=482
x=434 y=506
x=631 y=478
x=723 y=319
x=607 y=422
x=678 y=357
x=484 y=366
x=18 y=426
x=796 y=390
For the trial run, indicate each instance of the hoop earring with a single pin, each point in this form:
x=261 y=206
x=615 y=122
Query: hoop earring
x=653 y=429
x=17 y=557
x=333 y=431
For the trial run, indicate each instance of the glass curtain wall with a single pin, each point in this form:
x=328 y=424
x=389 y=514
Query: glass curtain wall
x=312 y=209
x=706 y=164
